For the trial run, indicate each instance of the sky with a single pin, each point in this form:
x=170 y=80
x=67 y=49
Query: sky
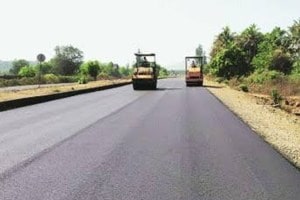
x=113 y=30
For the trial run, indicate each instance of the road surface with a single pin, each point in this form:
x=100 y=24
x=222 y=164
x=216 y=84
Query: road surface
x=173 y=143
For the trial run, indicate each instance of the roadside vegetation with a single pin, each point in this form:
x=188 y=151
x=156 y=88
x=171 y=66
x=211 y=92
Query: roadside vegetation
x=67 y=66
x=266 y=63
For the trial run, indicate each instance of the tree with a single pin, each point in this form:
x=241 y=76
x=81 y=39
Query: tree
x=199 y=50
x=91 y=68
x=281 y=61
x=67 y=60
x=229 y=62
x=17 y=65
x=273 y=52
x=248 y=41
x=222 y=40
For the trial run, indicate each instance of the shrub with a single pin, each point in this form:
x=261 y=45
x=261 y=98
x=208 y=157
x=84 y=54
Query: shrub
x=28 y=81
x=219 y=79
x=263 y=76
x=243 y=87
x=103 y=75
x=27 y=71
x=51 y=78
x=276 y=97
x=281 y=61
x=83 y=80
x=68 y=79
x=10 y=82
x=296 y=67
x=234 y=82
x=91 y=68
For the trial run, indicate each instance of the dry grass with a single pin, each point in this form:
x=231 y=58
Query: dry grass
x=283 y=86
x=18 y=94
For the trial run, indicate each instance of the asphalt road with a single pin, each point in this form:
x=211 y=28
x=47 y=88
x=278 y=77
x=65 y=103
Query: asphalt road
x=173 y=143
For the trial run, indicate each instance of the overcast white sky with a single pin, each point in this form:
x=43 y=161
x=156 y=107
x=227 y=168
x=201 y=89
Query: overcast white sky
x=112 y=30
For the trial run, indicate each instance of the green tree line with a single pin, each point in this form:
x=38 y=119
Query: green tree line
x=258 y=55
x=66 y=64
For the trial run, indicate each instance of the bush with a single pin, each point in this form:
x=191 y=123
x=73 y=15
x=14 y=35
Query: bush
x=27 y=71
x=83 y=80
x=281 y=62
x=51 y=78
x=91 y=68
x=67 y=79
x=244 y=87
x=220 y=79
x=296 y=67
x=261 y=77
x=28 y=81
x=10 y=82
x=103 y=76
x=276 y=97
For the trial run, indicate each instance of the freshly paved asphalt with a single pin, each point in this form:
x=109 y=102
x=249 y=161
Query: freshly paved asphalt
x=173 y=143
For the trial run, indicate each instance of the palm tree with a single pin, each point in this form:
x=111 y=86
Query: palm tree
x=222 y=40
x=248 y=41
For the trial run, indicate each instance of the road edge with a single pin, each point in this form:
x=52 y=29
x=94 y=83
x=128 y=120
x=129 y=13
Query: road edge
x=254 y=130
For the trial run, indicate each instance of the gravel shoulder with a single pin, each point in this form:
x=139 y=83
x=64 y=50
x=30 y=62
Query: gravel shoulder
x=275 y=126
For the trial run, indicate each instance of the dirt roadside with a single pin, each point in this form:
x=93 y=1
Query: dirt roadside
x=275 y=126
x=12 y=94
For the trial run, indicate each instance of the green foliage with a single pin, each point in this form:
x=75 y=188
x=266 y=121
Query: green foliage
x=220 y=79
x=17 y=65
x=163 y=72
x=28 y=81
x=248 y=41
x=243 y=87
x=262 y=57
x=27 y=71
x=91 y=68
x=222 y=41
x=44 y=68
x=83 y=80
x=50 y=78
x=296 y=67
x=103 y=76
x=295 y=38
x=110 y=69
x=125 y=71
x=67 y=60
x=228 y=62
x=276 y=97
x=281 y=61
x=68 y=79
x=273 y=52
x=8 y=82
x=261 y=77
